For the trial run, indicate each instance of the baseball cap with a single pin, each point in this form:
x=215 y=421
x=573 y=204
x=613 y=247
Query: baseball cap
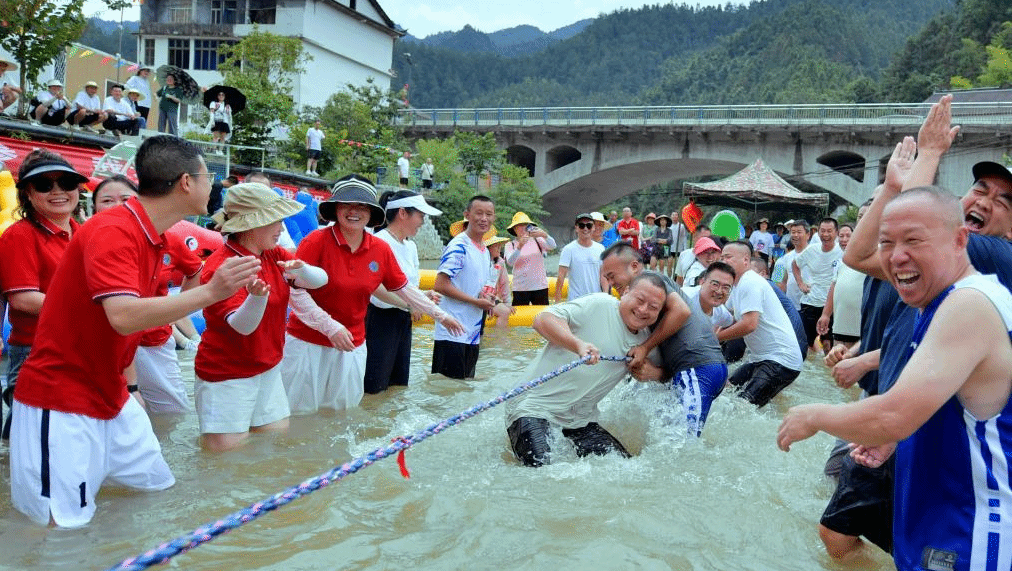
x=986 y=168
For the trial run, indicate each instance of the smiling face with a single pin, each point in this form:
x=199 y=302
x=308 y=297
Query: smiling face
x=112 y=194
x=738 y=257
x=57 y=204
x=641 y=305
x=263 y=238
x=409 y=222
x=585 y=229
x=714 y=289
x=799 y=235
x=352 y=218
x=987 y=206
x=619 y=271
x=922 y=247
x=480 y=216
x=708 y=257
x=827 y=234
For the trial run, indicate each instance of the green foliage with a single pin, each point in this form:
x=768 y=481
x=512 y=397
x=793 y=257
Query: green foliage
x=34 y=32
x=262 y=65
x=104 y=35
x=443 y=153
x=515 y=192
x=478 y=153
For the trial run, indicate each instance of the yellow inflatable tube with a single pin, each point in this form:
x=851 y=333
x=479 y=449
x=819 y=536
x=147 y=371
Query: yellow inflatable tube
x=524 y=316
x=428 y=281
x=8 y=200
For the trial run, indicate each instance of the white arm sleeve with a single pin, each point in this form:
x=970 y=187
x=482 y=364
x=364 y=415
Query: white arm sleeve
x=418 y=301
x=246 y=319
x=308 y=277
x=311 y=314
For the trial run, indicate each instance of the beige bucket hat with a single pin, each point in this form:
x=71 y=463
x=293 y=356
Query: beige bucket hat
x=252 y=205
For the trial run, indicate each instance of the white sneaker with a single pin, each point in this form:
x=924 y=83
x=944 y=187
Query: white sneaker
x=309 y=172
x=316 y=173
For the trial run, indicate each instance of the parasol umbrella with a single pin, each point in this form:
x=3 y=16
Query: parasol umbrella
x=188 y=85
x=235 y=98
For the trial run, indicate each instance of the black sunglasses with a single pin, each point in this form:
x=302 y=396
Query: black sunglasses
x=43 y=184
x=585 y=225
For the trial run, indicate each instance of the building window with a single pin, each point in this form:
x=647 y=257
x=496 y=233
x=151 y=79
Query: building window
x=205 y=54
x=179 y=53
x=262 y=11
x=149 y=52
x=180 y=15
x=223 y=11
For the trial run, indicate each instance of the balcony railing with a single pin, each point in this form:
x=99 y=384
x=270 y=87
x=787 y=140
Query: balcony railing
x=873 y=114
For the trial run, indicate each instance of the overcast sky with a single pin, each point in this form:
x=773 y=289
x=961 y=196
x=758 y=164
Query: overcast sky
x=426 y=17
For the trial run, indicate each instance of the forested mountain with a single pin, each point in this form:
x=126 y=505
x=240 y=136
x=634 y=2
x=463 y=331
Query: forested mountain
x=768 y=51
x=105 y=35
x=510 y=42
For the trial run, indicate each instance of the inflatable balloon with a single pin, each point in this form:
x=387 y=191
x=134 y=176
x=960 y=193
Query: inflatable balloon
x=726 y=223
x=692 y=215
x=301 y=223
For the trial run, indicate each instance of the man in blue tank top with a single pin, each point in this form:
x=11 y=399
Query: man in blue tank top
x=949 y=410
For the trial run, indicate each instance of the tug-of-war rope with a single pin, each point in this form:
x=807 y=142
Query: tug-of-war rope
x=209 y=531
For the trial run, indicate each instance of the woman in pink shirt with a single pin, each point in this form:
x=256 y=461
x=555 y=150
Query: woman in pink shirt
x=527 y=256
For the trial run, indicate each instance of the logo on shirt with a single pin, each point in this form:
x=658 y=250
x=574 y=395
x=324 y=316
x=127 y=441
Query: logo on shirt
x=166 y=259
x=938 y=560
x=374 y=267
x=191 y=243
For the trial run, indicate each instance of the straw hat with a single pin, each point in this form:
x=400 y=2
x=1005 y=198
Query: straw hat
x=91 y=84
x=495 y=240
x=459 y=226
x=597 y=217
x=518 y=219
x=140 y=96
x=657 y=221
x=353 y=190
x=252 y=205
x=54 y=83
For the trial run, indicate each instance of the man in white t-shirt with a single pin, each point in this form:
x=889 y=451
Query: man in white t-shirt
x=821 y=263
x=592 y=325
x=464 y=270
x=783 y=274
x=713 y=291
x=9 y=84
x=580 y=262
x=87 y=109
x=50 y=107
x=687 y=256
x=404 y=169
x=774 y=358
x=122 y=117
x=314 y=147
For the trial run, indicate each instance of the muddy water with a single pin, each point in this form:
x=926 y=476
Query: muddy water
x=728 y=501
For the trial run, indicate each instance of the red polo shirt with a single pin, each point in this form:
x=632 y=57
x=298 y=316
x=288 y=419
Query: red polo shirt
x=223 y=353
x=177 y=259
x=631 y=224
x=30 y=254
x=353 y=276
x=77 y=361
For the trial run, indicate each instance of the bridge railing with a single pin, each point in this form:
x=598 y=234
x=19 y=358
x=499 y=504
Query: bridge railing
x=871 y=114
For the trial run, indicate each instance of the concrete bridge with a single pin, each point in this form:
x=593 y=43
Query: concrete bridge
x=582 y=158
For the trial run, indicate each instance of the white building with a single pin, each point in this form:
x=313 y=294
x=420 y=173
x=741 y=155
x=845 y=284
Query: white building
x=350 y=41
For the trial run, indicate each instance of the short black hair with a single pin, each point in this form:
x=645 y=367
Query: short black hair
x=260 y=175
x=762 y=263
x=719 y=266
x=478 y=198
x=654 y=279
x=836 y=225
x=622 y=249
x=744 y=244
x=161 y=161
x=114 y=178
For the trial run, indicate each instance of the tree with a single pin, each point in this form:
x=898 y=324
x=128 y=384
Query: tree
x=262 y=65
x=35 y=32
x=477 y=153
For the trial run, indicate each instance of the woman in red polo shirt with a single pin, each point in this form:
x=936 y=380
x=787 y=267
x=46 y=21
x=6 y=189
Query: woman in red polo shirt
x=325 y=350
x=48 y=194
x=238 y=388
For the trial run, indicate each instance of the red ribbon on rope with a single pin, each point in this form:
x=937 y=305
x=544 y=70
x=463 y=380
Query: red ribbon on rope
x=400 y=457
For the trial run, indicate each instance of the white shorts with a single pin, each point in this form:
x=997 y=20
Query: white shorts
x=235 y=405
x=159 y=379
x=322 y=377
x=59 y=460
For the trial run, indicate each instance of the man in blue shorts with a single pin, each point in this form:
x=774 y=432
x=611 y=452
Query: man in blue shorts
x=951 y=509
x=691 y=357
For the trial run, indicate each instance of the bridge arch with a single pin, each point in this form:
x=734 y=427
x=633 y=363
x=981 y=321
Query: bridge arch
x=844 y=162
x=560 y=156
x=522 y=156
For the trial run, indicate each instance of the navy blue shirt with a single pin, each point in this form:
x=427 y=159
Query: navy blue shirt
x=877 y=304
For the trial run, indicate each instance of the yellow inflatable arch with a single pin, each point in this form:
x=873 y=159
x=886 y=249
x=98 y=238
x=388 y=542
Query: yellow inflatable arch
x=8 y=200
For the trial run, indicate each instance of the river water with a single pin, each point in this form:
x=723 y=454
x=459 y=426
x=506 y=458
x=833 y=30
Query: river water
x=730 y=500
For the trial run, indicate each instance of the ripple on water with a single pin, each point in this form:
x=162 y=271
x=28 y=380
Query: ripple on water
x=729 y=500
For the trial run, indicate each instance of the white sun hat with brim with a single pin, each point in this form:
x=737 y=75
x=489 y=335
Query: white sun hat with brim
x=54 y=83
x=353 y=191
x=417 y=202
x=253 y=205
